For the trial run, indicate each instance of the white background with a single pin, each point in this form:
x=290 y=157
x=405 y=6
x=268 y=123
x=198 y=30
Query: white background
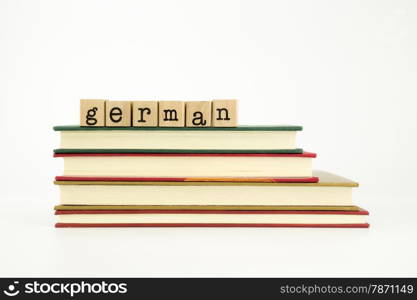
x=345 y=70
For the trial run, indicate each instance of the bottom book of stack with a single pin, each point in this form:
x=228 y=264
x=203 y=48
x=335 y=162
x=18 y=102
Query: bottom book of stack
x=86 y=202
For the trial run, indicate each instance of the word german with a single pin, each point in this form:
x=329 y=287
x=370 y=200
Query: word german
x=216 y=113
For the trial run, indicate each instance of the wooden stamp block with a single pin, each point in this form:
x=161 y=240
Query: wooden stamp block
x=92 y=113
x=145 y=113
x=171 y=114
x=198 y=114
x=224 y=113
x=118 y=113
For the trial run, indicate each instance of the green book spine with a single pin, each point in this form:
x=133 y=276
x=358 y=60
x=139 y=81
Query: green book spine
x=239 y=128
x=266 y=151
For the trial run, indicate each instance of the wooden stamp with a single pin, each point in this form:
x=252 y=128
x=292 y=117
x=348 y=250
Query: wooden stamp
x=118 y=113
x=216 y=113
x=198 y=114
x=92 y=112
x=171 y=114
x=145 y=113
x=224 y=113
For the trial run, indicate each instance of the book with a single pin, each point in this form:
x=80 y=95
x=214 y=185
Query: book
x=330 y=190
x=188 y=164
x=210 y=218
x=275 y=139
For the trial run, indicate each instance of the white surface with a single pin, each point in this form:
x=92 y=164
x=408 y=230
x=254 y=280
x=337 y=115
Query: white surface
x=345 y=70
x=32 y=247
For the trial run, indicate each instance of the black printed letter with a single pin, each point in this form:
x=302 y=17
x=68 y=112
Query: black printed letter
x=219 y=116
x=116 y=111
x=172 y=115
x=198 y=118
x=148 y=112
x=91 y=113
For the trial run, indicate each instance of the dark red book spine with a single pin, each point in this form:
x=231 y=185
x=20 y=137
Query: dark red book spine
x=78 y=225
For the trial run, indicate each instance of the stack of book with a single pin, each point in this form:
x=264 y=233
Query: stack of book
x=245 y=176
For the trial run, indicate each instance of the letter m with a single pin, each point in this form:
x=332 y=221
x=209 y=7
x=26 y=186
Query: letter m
x=170 y=115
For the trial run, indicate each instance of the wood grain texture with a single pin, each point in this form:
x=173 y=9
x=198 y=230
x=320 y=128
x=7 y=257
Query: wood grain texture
x=145 y=113
x=224 y=113
x=92 y=112
x=171 y=114
x=118 y=113
x=198 y=114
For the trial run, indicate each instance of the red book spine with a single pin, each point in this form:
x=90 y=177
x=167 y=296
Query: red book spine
x=213 y=212
x=67 y=225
